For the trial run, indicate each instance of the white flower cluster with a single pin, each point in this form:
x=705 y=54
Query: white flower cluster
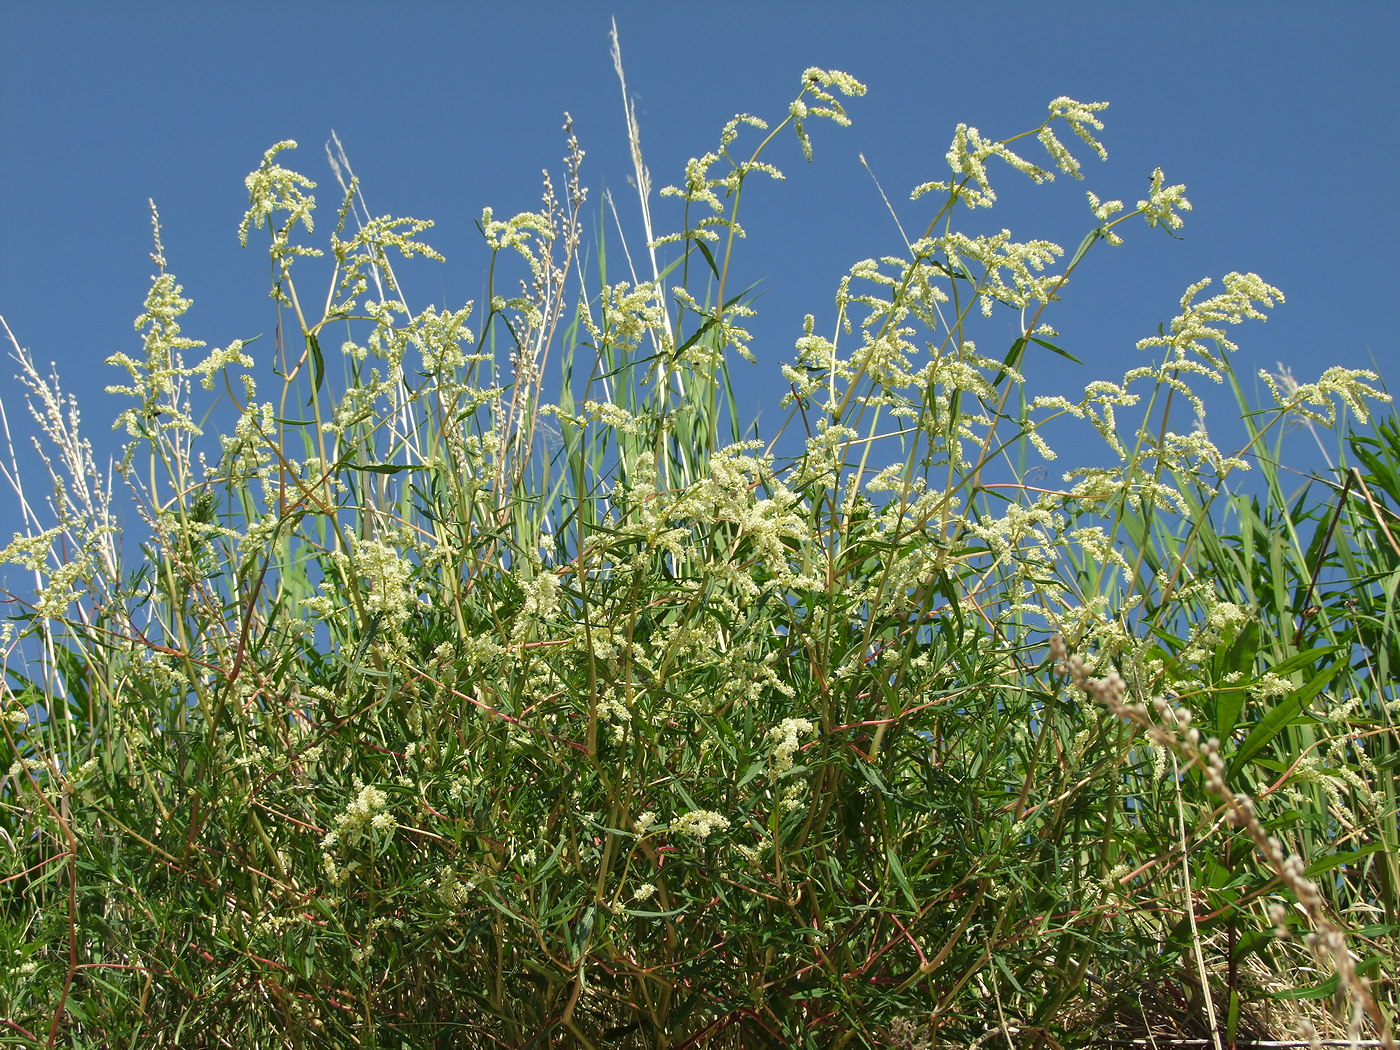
x=365 y=812
x=273 y=188
x=970 y=151
x=699 y=824
x=1199 y=323
x=785 y=736
x=1314 y=401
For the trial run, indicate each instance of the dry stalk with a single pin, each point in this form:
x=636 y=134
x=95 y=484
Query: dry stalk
x=1170 y=727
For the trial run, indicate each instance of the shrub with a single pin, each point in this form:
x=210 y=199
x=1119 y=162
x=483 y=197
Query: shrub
x=510 y=692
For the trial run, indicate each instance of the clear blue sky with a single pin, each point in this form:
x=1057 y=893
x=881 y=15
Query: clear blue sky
x=1279 y=117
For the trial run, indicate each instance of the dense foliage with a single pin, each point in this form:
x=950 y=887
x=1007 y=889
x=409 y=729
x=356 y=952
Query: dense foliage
x=506 y=691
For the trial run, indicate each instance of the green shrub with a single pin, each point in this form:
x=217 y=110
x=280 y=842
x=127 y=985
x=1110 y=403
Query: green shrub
x=510 y=692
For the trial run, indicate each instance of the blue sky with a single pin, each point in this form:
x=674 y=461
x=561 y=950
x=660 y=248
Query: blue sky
x=1279 y=118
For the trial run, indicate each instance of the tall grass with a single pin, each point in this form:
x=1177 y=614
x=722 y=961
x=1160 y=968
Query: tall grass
x=511 y=692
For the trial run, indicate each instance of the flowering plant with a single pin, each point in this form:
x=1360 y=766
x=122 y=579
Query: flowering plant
x=479 y=703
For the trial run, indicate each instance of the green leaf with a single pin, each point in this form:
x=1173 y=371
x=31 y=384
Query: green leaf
x=1312 y=991
x=1282 y=716
x=501 y=907
x=1011 y=360
x=1307 y=658
x=1093 y=236
x=897 y=870
x=1052 y=347
x=1238 y=660
x=384 y=468
x=583 y=934
x=318 y=365
x=1336 y=860
x=709 y=258
x=709 y=323
x=1228 y=706
x=873 y=777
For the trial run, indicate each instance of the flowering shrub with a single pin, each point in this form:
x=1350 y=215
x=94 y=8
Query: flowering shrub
x=476 y=703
